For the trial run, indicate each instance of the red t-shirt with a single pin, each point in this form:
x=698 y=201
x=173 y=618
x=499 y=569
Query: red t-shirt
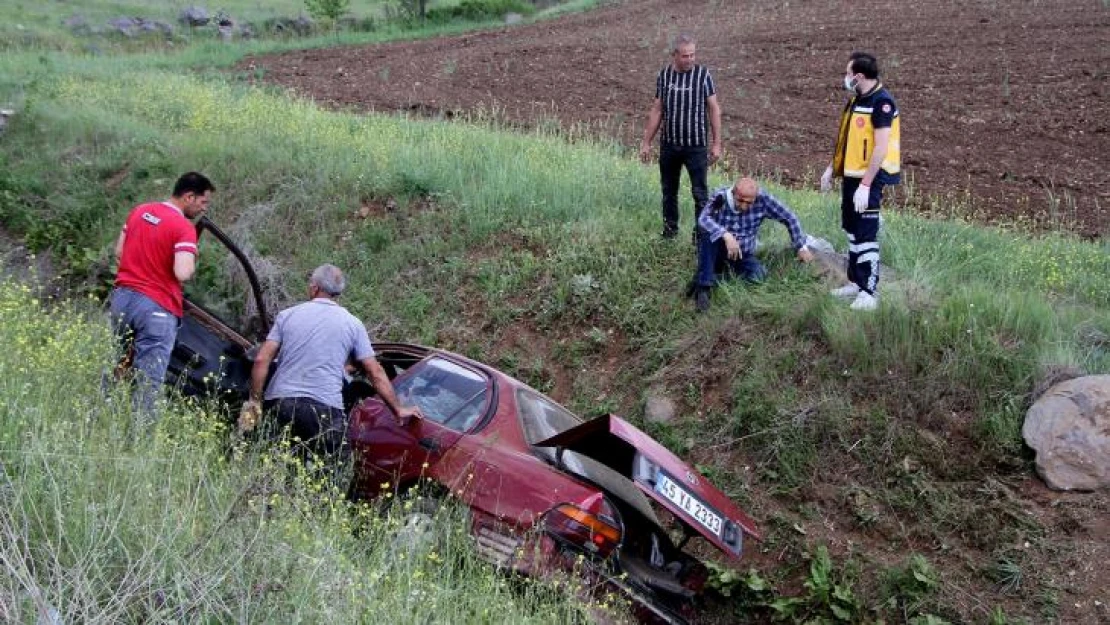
x=154 y=232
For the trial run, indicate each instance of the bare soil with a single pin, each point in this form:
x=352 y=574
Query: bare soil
x=1005 y=104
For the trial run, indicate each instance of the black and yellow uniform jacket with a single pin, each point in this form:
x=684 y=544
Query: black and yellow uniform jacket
x=856 y=140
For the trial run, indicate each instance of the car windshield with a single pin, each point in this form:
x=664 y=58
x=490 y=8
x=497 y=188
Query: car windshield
x=446 y=392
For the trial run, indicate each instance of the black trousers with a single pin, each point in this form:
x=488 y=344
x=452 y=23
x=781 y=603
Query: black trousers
x=863 y=234
x=321 y=429
x=672 y=159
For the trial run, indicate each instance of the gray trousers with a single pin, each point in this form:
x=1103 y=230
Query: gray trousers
x=151 y=331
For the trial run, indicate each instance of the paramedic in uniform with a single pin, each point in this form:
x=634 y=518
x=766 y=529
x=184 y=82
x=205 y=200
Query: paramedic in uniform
x=868 y=159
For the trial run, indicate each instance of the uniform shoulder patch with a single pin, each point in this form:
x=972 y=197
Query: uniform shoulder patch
x=886 y=107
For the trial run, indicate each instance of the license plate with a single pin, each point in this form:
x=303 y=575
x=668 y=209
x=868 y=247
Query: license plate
x=686 y=502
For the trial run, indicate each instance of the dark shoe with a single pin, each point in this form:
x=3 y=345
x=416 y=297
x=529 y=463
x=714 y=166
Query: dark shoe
x=670 y=233
x=701 y=299
x=691 y=287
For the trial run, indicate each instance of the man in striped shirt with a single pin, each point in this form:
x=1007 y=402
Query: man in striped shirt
x=729 y=226
x=685 y=99
x=157 y=250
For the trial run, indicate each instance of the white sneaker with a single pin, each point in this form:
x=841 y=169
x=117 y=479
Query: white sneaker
x=848 y=291
x=864 y=301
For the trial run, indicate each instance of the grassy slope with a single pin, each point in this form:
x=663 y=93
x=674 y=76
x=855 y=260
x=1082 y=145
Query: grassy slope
x=539 y=254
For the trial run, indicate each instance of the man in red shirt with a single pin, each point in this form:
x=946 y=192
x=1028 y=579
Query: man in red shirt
x=157 y=251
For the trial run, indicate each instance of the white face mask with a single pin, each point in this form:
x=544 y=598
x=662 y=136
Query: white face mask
x=850 y=83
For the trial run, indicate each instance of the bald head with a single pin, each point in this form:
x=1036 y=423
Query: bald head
x=745 y=192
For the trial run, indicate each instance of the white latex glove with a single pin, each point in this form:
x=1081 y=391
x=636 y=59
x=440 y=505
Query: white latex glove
x=826 y=180
x=862 y=195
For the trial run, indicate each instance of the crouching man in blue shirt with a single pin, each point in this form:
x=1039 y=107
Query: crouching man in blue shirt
x=728 y=227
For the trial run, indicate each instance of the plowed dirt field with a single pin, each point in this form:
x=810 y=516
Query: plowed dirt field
x=1005 y=107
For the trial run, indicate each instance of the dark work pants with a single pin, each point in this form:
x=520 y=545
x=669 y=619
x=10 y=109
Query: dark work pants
x=672 y=159
x=322 y=429
x=863 y=234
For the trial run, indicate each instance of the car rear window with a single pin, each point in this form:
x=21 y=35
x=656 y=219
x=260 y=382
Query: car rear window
x=541 y=417
x=446 y=392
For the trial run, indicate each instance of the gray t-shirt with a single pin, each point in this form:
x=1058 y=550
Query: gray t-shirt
x=317 y=338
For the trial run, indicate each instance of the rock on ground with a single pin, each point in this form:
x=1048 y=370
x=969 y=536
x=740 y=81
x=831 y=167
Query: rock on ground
x=1069 y=428
x=194 y=16
x=659 y=409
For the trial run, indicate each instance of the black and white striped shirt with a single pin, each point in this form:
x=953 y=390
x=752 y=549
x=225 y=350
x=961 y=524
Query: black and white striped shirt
x=684 y=96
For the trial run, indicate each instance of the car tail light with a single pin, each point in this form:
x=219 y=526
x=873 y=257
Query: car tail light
x=593 y=526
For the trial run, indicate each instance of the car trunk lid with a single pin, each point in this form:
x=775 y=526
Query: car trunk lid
x=661 y=475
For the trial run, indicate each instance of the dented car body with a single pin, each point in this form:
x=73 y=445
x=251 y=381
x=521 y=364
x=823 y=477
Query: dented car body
x=546 y=489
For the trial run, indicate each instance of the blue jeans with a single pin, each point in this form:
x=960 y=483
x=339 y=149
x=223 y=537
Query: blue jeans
x=151 y=331
x=672 y=158
x=714 y=264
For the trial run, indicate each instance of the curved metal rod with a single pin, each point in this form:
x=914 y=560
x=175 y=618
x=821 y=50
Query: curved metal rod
x=204 y=223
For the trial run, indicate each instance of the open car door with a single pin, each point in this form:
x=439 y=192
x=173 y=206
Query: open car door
x=212 y=354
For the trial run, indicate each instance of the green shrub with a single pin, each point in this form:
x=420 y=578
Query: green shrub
x=828 y=597
x=911 y=587
x=477 y=10
x=327 y=9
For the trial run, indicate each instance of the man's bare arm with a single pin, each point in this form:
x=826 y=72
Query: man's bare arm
x=261 y=368
x=654 y=120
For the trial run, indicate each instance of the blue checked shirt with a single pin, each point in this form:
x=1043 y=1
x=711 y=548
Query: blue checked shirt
x=720 y=215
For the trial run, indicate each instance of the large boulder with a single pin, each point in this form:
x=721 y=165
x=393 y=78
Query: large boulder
x=194 y=16
x=302 y=25
x=131 y=26
x=126 y=26
x=155 y=26
x=1069 y=428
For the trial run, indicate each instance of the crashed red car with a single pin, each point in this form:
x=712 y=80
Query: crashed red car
x=546 y=490
x=544 y=487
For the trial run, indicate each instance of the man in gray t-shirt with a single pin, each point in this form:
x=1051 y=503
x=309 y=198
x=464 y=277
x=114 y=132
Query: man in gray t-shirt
x=313 y=343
